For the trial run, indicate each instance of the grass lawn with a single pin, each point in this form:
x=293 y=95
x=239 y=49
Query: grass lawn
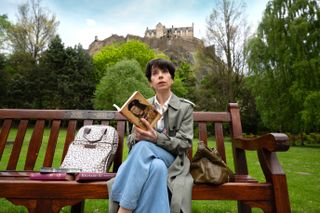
x=301 y=164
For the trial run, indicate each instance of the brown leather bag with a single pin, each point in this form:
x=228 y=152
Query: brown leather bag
x=207 y=166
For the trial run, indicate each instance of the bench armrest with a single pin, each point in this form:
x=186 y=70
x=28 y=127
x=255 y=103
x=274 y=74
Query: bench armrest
x=272 y=142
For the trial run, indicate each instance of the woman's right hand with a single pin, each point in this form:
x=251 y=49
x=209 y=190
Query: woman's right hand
x=149 y=135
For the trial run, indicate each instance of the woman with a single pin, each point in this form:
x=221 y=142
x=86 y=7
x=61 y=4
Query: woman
x=157 y=160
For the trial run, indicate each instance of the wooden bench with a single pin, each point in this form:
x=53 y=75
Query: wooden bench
x=270 y=195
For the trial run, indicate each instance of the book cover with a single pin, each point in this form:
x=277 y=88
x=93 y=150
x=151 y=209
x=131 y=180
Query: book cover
x=137 y=107
x=51 y=176
x=93 y=176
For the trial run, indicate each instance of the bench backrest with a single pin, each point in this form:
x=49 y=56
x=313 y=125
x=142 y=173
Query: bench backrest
x=16 y=122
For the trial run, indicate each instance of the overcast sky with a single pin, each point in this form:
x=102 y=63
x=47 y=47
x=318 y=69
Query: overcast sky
x=82 y=20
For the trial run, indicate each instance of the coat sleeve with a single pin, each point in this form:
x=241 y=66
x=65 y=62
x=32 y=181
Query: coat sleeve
x=182 y=141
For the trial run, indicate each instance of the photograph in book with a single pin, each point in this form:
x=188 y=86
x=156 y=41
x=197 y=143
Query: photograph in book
x=137 y=107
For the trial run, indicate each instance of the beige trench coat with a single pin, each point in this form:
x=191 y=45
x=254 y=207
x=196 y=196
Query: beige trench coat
x=177 y=140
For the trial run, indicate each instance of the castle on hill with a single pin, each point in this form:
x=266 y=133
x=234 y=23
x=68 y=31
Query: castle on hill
x=173 y=41
x=173 y=32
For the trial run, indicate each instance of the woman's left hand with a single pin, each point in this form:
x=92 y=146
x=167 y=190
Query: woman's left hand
x=149 y=135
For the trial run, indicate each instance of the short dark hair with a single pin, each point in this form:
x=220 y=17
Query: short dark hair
x=161 y=64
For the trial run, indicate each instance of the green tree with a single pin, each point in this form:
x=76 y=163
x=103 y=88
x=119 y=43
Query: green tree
x=79 y=84
x=185 y=81
x=119 y=82
x=311 y=112
x=34 y=29
x=67 y=76
x=4 y=79
x=19 y=79
x=211 y=80
x=284 y=60
x=52 y=63
x=4 y=26
x=142 y=53
x=111 y=54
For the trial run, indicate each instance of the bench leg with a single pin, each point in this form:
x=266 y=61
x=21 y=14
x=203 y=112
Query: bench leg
x=243 y=208
x=281 y=195
x=78 y=208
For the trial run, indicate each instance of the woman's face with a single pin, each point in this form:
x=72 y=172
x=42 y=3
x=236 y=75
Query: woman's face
x=160 y=79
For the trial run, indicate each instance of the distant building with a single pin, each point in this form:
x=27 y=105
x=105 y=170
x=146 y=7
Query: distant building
x=173 y=32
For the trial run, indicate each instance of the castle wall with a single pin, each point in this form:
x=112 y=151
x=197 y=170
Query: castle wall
x=162 y=31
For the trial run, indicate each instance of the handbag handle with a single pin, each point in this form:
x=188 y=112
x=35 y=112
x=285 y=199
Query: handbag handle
x=87 y=131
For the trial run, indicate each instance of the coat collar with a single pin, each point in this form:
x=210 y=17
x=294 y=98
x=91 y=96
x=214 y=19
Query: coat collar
x=174 y=101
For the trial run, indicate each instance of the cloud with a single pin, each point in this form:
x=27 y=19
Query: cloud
x=81 y=22
x=90 y=22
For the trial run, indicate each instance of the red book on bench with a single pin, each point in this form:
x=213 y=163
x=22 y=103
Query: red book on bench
x=93 y=176
x=51 y=176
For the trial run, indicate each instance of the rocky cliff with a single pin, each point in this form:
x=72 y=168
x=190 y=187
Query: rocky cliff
x=177 y=48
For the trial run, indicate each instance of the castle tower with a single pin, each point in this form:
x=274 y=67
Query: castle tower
x=160 y=30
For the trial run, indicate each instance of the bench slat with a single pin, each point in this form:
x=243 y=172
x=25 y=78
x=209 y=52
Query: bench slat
x=218 y=129
x=52 y=143
x=17 y=145
x=30 y=113
x=233 y=191
x=60 y=114
x=35 y=144
x=87 y=122
x=211 y=116
x=105 y=122
x=118 y=157
x=72 y=125
x=5 y=129
x=203 y=133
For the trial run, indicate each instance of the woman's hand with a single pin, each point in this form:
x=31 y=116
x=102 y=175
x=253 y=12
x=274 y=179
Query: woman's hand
x=149 y=135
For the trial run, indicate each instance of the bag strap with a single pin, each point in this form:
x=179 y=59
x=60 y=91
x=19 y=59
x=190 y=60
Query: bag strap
x=87 y=131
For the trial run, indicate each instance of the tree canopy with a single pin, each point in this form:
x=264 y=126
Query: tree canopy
x=63 y=78
x=4 y=26
x=111 y=54
x=284 y=61
x=119 y=82
x=34 y=29
x=68 y=76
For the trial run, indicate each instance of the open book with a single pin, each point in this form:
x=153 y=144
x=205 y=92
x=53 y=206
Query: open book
x=137 y=107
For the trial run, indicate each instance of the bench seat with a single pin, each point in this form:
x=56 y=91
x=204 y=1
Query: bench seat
x=97 y=190
x=57 y=194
